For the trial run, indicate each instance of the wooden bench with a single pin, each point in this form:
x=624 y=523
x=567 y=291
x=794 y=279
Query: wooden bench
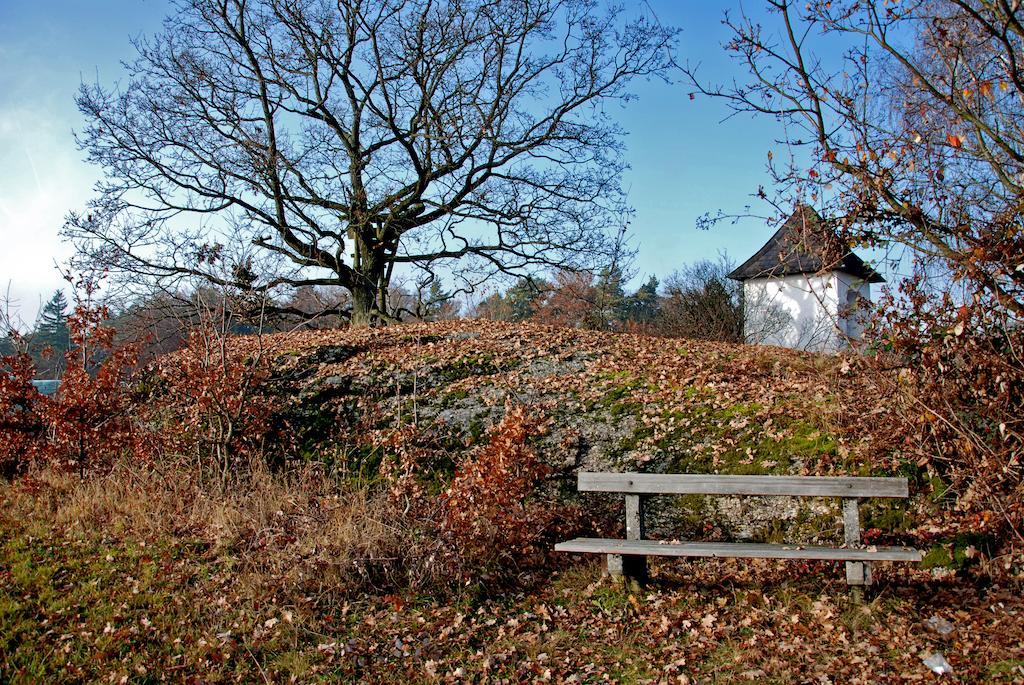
x=629 y=557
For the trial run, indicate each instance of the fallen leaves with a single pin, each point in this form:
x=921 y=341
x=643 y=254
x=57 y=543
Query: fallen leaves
x=230 y=611
x=707 y=621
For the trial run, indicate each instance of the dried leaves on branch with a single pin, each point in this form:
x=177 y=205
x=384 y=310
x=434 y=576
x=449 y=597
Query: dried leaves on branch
x=92 y=422
x=909 y=138
x=902 y=124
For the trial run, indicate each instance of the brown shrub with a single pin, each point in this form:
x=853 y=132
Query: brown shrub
x=958 y=386
x=495 y=519
x=210 y=404
x=22 y=420
x=92 y=420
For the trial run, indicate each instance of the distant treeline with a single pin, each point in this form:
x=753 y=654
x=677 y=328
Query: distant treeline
x=697 y=301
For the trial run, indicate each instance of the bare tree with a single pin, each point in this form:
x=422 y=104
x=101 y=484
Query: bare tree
x=912 y=135
x=346 y=139
x=700 y=301
x=13 y=330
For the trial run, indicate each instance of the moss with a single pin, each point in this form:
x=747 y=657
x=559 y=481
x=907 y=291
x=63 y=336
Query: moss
x=622 y=391
x=937 y=487
x=454 y=397
x=890 y=515
x=807 y=439
x=471 y=367
x=619 y=409
x=618 y=452
x=477 y=428
x=1006 y=669
x=360 y=462
x=775 y=532
x=918 y=477
x=806 y=526
x=316 y=421
x=688 y=512
x=754 y=468
x=956 y=553
x=753 y=452
x=700 y=428
x=937 y=556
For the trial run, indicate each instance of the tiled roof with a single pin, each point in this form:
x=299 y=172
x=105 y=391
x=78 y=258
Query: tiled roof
x=803 y=244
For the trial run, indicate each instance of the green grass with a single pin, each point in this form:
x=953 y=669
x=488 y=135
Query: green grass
x=1006 y=669
x=85 y=607
x=76 y=609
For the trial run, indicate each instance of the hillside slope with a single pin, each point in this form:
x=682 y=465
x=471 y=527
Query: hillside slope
x=613 y=402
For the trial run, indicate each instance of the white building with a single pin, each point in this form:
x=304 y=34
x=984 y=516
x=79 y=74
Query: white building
x=804 y=289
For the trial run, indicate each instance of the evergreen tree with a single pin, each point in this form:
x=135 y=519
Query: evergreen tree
x=609 y=299
x=642 y=306
x=51 y=334
x=52 y=327
x=436 y=303
x=493 y=308
x=522 y=298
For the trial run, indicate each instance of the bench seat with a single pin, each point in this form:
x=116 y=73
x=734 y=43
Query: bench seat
x=741 y=550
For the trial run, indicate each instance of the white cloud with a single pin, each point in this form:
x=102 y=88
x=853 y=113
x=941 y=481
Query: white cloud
x=42 y=177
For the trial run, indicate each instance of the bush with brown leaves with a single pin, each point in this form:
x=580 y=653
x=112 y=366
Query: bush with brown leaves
x=959 y=388
x=92 y=420
x=22 y=419
x=209 y=404
x=495 y=519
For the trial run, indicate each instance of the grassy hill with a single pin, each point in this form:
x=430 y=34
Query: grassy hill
x=611 y=402
x=628 y=402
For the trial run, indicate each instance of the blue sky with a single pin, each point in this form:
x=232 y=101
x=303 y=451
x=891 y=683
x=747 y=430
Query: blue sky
x=685 y=160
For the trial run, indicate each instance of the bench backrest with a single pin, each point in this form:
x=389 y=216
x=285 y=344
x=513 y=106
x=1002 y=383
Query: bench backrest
x=698 y=484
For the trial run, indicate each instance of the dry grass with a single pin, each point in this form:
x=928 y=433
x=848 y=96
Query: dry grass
x=298 y=525
x=137 y=576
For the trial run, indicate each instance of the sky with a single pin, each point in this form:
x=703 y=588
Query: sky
x=686 y=158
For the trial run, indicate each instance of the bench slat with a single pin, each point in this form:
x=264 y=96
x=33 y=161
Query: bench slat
x=698 y=484
x=740 y=550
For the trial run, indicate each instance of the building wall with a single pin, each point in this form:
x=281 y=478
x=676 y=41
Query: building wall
x=799 y=311
x=805 y=311
x=853 y=295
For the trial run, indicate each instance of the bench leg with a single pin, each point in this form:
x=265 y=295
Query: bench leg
x=858 y=573
x=630 y=570
x=626 y=565
x=613 y=565
x=858 y=577
x=633 y=567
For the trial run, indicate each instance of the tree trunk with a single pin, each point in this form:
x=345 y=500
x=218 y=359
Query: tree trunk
x=370 y=268
x=363 y=301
